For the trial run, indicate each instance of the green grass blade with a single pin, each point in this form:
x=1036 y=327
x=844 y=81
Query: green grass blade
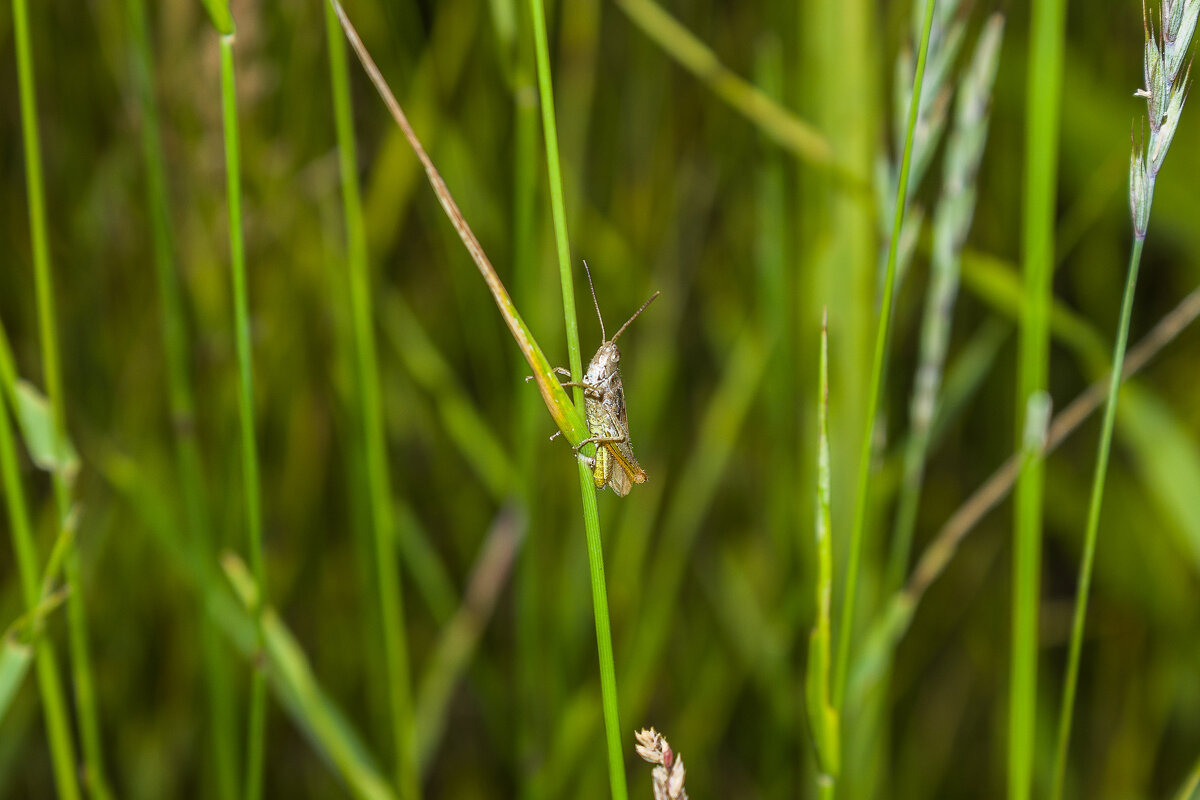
x=287 y=668
x=881 y=338
x=591 y=519
x=1165 y=92
x=1043 y=98
x=299 y=689
x=774 y=120
x=15 y=660
x=371 y=412
x=566 y=415
x=58 y=728
x=686 y=509
x=81 y=665
x=822 y=716
x=1093 y=523
x=252 y=500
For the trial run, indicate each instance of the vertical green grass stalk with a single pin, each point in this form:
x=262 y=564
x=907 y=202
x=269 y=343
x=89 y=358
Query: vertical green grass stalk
x=180 y=396
x=1044 y=93
x=81 y=668
x=371 y=412
x=822 y=715
x=862 y=501
x=591 y=520
x=252 y=501
x=58 y=726
x=1165 y=91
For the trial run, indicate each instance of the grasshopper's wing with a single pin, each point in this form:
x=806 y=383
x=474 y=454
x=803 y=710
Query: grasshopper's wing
x=620 y=468
x=618 y=478
x=623 y=451
x=600 y=424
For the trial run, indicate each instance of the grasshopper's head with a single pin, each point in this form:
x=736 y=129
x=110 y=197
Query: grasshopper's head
x=608 y=357
x=606 y=361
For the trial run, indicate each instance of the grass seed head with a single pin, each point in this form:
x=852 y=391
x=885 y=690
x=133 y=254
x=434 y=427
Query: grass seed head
x=669 y=773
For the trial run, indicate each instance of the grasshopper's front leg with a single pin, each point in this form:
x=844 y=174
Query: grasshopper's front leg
x=594 y=439
x=588 y=389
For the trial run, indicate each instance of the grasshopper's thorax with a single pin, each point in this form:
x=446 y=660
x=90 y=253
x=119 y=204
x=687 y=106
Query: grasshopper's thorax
x=603 y=365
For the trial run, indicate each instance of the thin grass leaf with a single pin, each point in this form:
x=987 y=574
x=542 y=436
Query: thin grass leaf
x=286 y=668
x=459 y=638
x=15 y=660
x=387 y=575
x=775 y=121
x=300 y=691
x=566 y=416
x=77 y=622
x=18 y=648
x=686 y=508
x=587 y=489
x=49 y=448
x=1165 y=93
x=251 y=483
x=58 y=728
x=862 y=495
x=823 y=720
x=956 y=208
x=28 y=627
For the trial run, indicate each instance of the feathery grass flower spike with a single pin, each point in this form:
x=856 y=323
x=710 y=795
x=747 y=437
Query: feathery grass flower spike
x=1165 y=92
x=668 y=774
x=1165 y=95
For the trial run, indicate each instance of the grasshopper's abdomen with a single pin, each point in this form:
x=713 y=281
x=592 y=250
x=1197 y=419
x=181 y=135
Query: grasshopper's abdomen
x=603 y=468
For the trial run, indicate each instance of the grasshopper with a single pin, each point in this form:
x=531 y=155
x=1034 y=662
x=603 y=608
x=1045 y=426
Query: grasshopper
x=614 y=464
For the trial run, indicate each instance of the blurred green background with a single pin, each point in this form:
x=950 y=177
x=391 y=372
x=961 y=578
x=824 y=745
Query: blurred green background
x=710 y=563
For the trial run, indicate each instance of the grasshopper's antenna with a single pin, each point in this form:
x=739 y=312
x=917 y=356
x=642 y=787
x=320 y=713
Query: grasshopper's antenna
x=635 y=316
x=595 y=301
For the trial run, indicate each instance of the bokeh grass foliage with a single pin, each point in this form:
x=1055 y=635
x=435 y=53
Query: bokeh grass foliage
x=284 y=515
